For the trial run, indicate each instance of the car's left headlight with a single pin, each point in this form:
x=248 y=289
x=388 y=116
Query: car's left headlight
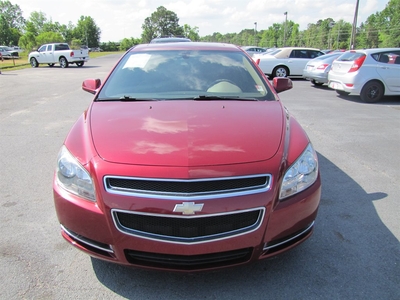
x=73 y=177
x=301 y=174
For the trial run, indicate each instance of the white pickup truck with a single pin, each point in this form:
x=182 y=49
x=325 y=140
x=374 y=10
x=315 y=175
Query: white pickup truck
x=60 y=53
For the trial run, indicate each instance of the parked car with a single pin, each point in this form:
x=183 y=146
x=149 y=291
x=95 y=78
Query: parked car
x=289 y=61
x=371 y=73
x=170 y=39
x=8 y=52
x=317 y=69
x=58 y=53
x=186 y=160
x=251 y=50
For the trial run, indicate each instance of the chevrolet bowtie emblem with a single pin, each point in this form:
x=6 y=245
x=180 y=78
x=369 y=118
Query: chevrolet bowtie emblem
x=188 y=208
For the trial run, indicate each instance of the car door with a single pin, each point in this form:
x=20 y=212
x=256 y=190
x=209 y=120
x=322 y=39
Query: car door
x=389 y=70
x=297 y=61
x=46 y=54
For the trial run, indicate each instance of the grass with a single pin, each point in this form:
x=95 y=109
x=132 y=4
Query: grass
x=22 y=61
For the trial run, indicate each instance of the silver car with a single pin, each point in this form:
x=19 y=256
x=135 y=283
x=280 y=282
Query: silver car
x=8 y=52
x=317 y=69
x=251 y=50
x=371 y=73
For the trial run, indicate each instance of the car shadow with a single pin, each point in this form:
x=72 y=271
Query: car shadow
x=386 y=100
x=69 y=67
x=344 y=257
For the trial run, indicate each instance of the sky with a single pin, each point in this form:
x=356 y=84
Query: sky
x=118 y=19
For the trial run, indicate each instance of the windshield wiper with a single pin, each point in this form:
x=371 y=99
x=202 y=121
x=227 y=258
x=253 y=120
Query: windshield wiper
x=214 y=97
x=129 y=98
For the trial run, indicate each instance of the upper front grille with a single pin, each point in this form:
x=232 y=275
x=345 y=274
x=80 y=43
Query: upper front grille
x=193 y=188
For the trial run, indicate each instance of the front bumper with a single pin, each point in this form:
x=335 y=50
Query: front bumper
x=283 y=225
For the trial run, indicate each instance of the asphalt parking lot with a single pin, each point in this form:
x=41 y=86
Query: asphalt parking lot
x=353 y=254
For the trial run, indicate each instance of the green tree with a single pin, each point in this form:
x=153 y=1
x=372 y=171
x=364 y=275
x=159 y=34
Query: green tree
x=128 y=43
x=11 y=23
x=162 y=22
x=28 y=41
x=191 y=32
x=87 y=31
x=67 y=31
x=390 y=25
x=368 y=35
x=37 y=21
x=49 y=37
x=12 y=15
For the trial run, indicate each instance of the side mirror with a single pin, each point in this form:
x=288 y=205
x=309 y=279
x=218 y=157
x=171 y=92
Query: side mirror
x=282 y=84
x=91 y=85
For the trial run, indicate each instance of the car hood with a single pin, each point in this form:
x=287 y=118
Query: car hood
x=186 y=133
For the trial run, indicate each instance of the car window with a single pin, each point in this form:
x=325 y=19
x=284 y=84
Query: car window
x=299 y=54
x=182 y=74
x=49 y=47
x=43 y=48
x=350 y=56
x=60 y=47
x=314 y=53
x=389 y=57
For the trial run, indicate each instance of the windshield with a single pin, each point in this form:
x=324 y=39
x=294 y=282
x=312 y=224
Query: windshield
x=185 y=74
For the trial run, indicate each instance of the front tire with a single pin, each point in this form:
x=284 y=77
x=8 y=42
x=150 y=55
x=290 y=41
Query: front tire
x=372 y=92
x=34 y=62
x=280 y=71
x=63 y=62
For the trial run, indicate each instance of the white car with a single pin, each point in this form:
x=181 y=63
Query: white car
x=288 y=61
x=371 y=73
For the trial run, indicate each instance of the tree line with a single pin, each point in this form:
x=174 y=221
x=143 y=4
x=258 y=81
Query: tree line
x=381 y=29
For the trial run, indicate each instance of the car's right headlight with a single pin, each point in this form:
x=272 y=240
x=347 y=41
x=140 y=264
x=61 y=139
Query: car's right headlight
x=73 y=177
x=302 y=174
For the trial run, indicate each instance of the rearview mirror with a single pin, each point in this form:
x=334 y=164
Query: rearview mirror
x=91 y=85
x=282 y=84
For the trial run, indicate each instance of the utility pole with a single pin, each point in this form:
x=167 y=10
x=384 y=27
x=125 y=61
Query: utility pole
x=255 y=33
x=353 y=31
x=284 y=35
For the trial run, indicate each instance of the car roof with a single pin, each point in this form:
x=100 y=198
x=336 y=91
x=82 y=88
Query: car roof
x=374 y=50
x=284 y=51
x=186 y=46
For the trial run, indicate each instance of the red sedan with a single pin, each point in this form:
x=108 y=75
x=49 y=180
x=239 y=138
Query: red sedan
x=186 y=160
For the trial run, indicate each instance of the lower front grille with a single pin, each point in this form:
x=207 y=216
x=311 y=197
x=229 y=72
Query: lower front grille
x=88 y=244
x=187 y=263
x=278 y=245
x=196 y=229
